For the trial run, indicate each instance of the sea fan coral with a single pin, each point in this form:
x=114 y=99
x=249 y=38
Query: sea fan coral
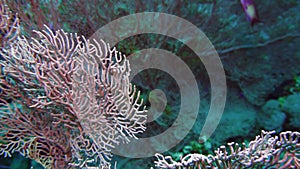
x=66 y=101
x=266 y=151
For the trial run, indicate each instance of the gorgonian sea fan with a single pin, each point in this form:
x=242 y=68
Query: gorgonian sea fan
x=66 y=101
x=266 y=151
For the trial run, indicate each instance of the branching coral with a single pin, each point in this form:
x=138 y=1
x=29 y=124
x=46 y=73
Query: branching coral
x=266 y=151
x=65 y=101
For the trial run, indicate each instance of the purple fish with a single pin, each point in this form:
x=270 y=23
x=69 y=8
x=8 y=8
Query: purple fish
x=250 y=11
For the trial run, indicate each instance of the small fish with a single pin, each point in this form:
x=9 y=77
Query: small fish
x=250 y=11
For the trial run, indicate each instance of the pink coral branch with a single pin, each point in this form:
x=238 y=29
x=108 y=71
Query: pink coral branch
x=67 y=101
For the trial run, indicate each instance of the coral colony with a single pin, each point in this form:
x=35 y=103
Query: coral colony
x=67 y=101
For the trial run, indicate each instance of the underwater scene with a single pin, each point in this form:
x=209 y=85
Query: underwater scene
x=171 y=84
